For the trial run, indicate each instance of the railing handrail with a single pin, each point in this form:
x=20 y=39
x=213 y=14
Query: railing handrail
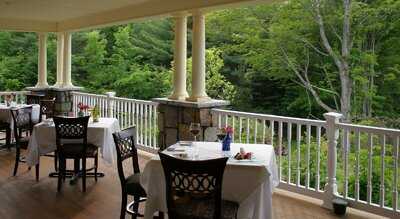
x=369 y=129
x=117 y=98
x=272 y=117
x=13 y=92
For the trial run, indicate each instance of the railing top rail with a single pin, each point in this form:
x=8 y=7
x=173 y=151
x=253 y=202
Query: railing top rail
x=147 y=102
x=369 y=129
x=13 y=92
x=271 y=117
x=89 y=94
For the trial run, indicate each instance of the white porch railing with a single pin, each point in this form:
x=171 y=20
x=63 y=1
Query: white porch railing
x=19 y=96
x=327 y=159
x=129 y=112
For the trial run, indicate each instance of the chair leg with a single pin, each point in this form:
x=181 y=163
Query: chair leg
x=96 y=164
x=135 y=207
x=37 y=172
x=84 y=174
x=123 y=205
x=8 y=138
x=55 y=161
x=61 y=172
x=17 y=154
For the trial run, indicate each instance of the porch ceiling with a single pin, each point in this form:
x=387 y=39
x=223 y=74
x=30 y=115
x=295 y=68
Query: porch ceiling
x=72 y=15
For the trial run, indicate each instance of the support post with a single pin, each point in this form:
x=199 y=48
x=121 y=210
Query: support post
x=332 y=133
x=198 y=59
x=180 y=53
x=110 y=104
x=42 y=61
x=60 y=57
x=67 y=83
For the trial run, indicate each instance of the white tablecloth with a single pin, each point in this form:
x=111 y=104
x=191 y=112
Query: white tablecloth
x=43 y=140
x=5 y=113
x=249 y=183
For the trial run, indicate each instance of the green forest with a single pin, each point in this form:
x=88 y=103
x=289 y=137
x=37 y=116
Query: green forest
x=298 y=58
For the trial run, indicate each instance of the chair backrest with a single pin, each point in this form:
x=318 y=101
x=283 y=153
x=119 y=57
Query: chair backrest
x=47 y=108
x=188 y=181
x=71 y=128
x=125 y=143
x=22 y=118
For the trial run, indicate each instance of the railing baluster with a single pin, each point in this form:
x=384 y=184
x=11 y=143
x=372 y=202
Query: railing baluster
x=395 y=173
x=255 y=130
x=263 y=131
x=150 y=128
x=369 y=183
x=219 y=121
x=248 y=131
x=141 y=123
x=298 y=136
x=382 y=183
x=280 y=136
x=308 y=155
x=318 y=158
x=358 y=147
x=240 y=129
x=226 y=120
x=137 y=123
x=233 y=127
x=145 y=125
x=271 y=125
x=346 y=161
x=155 y=127
x=289 y=149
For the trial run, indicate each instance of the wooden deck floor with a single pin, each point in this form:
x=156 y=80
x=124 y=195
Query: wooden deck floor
x=22 y=197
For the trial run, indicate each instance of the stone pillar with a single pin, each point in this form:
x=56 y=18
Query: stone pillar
x=180 y=53
x=42 y=61
x=67 y=83
x=175 y=117
x=198 y=59
x=60 y=53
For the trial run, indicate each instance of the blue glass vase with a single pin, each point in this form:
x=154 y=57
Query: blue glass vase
x=226 y=143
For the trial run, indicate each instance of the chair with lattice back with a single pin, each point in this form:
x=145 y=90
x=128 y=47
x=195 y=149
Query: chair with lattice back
x=126 y=150
x=22 y=123
x=194 y=189
x=71 y=140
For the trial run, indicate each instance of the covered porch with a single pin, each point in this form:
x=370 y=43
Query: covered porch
x=305 y=189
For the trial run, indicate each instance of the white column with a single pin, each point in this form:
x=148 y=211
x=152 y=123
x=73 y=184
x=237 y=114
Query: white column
x=67 y=61
x=180 y=53
x=42 y=61
x=198 y=59
x=60 y=55
x=332 y=133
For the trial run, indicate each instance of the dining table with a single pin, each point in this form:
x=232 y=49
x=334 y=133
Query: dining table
x=5 y=112
x=6 y=117
x=43 y=139
x=250 y=182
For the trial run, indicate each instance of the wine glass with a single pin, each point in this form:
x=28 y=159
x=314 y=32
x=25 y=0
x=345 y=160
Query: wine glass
x=195 y=129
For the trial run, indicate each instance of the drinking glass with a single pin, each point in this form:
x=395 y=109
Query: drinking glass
x=195 y=129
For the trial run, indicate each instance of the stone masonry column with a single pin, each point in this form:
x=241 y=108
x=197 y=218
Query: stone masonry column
x=67 y=61
x=60 y=53
x=42 y=61
x=198 y=59
x=180 y=53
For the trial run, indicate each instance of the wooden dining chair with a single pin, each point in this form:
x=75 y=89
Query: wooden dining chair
x=194 y=189
x=22 y=118
x=71 y=140
x=125 y=143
